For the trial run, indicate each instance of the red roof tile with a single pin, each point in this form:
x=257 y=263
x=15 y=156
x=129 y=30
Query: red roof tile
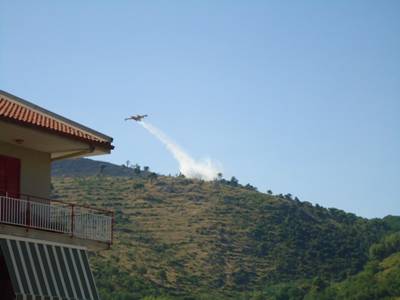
x=25 y=115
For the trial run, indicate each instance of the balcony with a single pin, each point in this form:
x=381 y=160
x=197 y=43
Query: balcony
x=56 y=221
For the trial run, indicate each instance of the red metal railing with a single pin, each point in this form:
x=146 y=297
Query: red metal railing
x=57 y=216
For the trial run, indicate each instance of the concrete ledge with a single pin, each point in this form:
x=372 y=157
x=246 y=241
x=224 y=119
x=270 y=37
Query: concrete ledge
x=55 y=237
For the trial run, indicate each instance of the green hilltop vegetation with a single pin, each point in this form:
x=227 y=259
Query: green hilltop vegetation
x=179 y=238
x=87 y=167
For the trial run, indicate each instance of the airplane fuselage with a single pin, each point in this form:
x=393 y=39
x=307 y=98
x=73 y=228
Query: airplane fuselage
x=136 y=118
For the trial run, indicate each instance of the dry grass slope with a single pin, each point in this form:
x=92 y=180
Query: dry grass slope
x=190 y=237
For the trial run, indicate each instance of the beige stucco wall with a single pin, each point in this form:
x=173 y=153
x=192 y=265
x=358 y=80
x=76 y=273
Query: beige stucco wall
x=35 y=169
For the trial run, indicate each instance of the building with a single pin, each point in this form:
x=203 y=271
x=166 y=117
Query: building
x=43 y=242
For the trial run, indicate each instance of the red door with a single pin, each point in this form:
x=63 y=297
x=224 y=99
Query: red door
x=10 y=170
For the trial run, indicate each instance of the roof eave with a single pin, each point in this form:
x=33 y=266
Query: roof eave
x=54 y=115
x=104 y=145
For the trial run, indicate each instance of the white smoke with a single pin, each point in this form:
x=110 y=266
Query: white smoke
x=205 y=169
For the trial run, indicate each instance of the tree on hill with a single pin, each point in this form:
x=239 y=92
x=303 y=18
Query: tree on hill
x=152 y=177
x=136 y=169
x=389 y=245
x=234 y=181
x=250 y=187
x=101 y=171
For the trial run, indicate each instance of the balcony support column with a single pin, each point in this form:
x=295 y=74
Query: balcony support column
x=28 y=213
x=72 y=219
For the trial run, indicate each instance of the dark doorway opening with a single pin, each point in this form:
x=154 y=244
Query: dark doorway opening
x=6 y=288
x=10 y=172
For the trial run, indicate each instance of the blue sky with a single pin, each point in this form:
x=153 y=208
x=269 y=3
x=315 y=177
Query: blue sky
x=299 y=97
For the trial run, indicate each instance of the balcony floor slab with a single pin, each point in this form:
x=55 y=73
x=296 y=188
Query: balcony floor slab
x=54 y=237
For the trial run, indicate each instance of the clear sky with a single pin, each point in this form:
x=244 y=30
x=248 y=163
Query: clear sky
x=299 y=97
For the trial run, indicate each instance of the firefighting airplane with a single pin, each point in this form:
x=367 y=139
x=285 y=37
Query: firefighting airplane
x=137 y=118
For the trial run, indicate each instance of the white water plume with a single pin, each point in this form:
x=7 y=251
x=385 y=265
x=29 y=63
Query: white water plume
x=191 y=168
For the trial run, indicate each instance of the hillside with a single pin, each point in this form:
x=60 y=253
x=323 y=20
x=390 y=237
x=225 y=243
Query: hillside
x=191 y=239
x=89 y=167
x=380 y=278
